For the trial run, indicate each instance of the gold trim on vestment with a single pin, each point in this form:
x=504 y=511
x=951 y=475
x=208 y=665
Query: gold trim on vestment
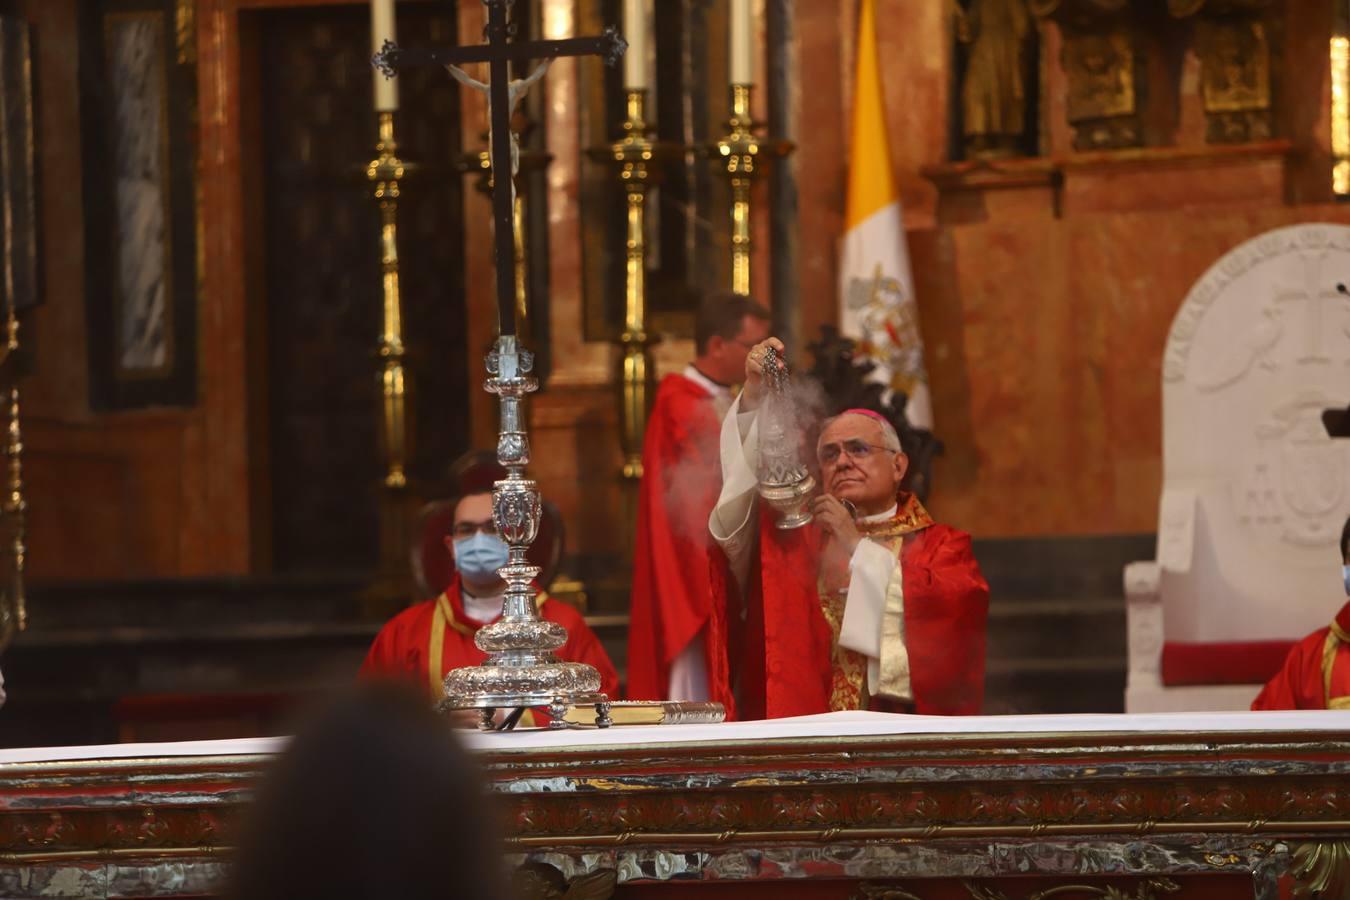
x=436 y=647
x=848 y=682
x=1331 y=647
x=443 y=616
x=893 y=677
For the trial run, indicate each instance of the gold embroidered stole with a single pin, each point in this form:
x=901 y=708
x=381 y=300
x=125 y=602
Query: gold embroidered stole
x=1336 y=638
x=848 y=677
x=444 y=617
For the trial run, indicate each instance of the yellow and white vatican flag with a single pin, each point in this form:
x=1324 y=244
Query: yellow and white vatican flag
x=876 y=289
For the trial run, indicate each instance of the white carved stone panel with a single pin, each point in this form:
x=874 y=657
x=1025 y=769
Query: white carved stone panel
x=1255 y=492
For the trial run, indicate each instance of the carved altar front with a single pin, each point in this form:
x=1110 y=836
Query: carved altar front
x=847 y=805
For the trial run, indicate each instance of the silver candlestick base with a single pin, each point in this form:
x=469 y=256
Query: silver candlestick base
x=521 y=671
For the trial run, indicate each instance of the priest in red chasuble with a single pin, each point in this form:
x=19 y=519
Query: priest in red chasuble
x=1316 y=673
x=672 y=600
x=424 y=642
x=871 y=606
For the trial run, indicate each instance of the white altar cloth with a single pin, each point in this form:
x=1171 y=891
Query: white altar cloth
x=826 y=726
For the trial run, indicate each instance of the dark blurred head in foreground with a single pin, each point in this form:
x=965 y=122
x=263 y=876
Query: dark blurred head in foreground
x=374 y=799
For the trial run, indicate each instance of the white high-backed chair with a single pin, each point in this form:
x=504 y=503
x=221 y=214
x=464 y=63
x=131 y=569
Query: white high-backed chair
x=1255 y=492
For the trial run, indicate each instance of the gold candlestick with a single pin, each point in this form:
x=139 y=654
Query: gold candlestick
x=480 y=163
x=13 y=600
x=740 y=151
x=636 y=159
x=384 y=172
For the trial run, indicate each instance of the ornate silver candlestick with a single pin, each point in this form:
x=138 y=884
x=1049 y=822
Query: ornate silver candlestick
x=784 y=482
x=521 y=670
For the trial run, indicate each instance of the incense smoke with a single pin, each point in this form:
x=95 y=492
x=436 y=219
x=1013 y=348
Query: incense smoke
x=690 y=486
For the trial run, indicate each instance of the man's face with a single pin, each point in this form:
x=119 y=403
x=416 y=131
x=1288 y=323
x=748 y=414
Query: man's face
x=727 y=355
x=856 y=467
x=472 y=514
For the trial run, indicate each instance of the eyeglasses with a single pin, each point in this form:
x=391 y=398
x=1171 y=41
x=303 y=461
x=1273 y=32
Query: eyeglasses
x=469 y=529
x=856 y=448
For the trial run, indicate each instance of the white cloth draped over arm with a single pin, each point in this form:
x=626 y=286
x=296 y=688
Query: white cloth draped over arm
x=874 y=617
x=732 y=522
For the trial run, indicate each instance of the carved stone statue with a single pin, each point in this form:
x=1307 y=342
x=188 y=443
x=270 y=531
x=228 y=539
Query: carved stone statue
x=993 y=88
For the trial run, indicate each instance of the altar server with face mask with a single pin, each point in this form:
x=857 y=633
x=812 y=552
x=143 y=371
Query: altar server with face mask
x=424 y=642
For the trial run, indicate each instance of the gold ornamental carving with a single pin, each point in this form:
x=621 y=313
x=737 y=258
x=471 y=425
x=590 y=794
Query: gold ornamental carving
x=1233 y=43
x=185 y=31
x=1101 y=75
x=539 y=881
x=1322 y=870
x=1151 y=889
x=1101 y=62
x=883 y=892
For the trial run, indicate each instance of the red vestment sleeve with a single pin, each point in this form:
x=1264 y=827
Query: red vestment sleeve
x=379 y=659
x=797 y=640
x=582 y=645
x=1299 y=683
x=399 y=650
x=946 y=610
x=672 y=599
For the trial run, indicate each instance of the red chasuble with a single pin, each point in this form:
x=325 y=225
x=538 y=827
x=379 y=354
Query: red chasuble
x=1316 y=673
x=681 y=478
x=785 y=658
x=404 y=648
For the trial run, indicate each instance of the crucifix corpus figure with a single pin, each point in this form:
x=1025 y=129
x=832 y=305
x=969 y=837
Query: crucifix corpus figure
x=522 y=671
x=515 y=90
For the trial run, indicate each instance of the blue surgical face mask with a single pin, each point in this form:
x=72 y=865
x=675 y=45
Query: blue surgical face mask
x=1345 y=573
x=479 y=557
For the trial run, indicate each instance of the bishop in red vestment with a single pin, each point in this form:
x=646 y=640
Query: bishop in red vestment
x=1316 y=673
x=424 y=642
x=672 y=599
x=872 y=606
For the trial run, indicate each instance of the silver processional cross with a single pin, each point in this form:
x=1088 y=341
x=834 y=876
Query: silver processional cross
x=521 y=670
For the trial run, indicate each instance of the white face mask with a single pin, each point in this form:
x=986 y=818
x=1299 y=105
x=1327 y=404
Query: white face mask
x=1345 y=573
